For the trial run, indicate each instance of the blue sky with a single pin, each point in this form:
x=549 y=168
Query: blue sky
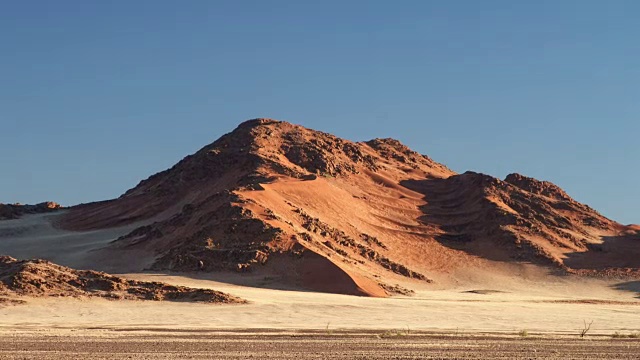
x=96 y=96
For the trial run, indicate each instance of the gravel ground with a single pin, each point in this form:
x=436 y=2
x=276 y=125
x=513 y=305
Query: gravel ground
x=313 y=346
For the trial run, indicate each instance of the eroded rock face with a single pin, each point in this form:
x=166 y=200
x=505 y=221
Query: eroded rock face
x=41 y=278
x=14 y=211
x=325 y=154
x=394 y=149
x=534 y=186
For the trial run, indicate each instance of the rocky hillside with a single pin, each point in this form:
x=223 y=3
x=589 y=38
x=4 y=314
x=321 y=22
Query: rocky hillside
x=14 y=211
x=39 y=278
x=519 y=218
x=357 y=218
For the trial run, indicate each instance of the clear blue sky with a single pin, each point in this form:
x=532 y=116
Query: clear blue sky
x=97 y=95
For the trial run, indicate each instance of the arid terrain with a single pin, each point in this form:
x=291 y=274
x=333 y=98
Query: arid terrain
x=311 y=345
x=277 y=241
x=460 y=322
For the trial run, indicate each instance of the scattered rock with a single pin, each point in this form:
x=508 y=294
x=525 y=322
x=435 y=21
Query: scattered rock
x=41 y=278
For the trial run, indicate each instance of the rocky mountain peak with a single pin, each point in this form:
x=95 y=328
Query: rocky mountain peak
x=544 y=188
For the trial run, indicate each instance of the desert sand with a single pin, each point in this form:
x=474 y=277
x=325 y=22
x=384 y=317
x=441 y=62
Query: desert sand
x=516 y=298
x=290 y=324
x=555 y=308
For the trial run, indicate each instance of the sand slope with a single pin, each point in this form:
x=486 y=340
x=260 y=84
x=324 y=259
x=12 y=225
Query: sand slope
x=514 y=305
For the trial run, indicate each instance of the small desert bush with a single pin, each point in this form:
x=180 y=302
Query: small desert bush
x=524 y=333
x=393 y=334
x=586 y=328
x=619 y=335
x=327 y=331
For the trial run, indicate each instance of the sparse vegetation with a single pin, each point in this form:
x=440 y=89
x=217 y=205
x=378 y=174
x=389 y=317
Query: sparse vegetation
x=394 y=333
x=523 y=333
x=619 y=335
x=586 y=328
x=326 y=329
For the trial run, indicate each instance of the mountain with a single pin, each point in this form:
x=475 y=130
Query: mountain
x=358 y=218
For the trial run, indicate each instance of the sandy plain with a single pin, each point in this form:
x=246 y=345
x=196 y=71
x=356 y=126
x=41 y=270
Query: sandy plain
x=479 y=318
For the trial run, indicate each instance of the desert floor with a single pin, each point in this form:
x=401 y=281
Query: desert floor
x=479 y=318
x=436 y=310
x=308 y=345
x=281 y=324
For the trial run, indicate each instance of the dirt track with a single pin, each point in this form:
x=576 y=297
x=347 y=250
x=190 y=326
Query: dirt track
x=313 y=346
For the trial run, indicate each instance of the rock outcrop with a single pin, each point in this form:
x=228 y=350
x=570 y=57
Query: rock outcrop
x=14 y=211
x=41 y=278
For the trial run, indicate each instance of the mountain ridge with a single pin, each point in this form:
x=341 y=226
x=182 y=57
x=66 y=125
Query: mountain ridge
x=300 y=204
